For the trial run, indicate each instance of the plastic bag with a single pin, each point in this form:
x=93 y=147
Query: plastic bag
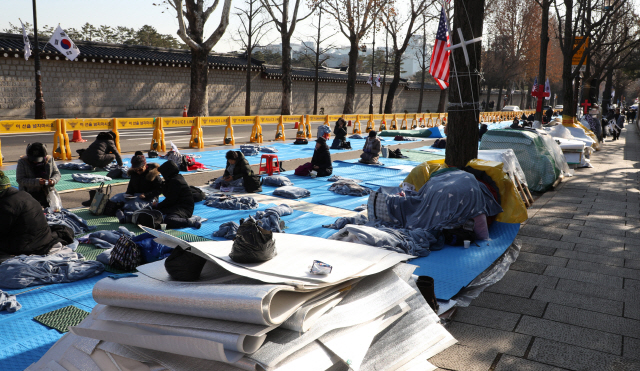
x=253 y=244
x=183 y=265
x=53 y=198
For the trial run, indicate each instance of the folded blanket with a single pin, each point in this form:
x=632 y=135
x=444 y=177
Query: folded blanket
x=277 y=181
x=226 y=202
x=90 y=178
x=349 y=187
x=75 y=166
x=291 y=192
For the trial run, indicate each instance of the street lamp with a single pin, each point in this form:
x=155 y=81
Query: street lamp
x=373 y=62
x=40 y=111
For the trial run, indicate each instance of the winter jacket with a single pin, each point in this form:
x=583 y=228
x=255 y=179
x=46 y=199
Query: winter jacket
x=241 y=169
x=26 y=176
x=374 y=146
x=322 y=159
x=340 y=132
x=149 y=183
x=98 y=152
x=178 y=198
x=23 y=227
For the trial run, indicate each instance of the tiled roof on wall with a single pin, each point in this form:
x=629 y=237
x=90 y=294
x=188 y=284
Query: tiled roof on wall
x=324 y=74
x=11 y=45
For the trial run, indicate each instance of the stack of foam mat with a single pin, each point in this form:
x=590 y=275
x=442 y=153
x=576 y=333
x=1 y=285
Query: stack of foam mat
x=367 y=314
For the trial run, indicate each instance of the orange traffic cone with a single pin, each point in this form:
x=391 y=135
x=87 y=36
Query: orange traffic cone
x=349 y=124
x=296 y=125
x=184 y=112
x=77 y=137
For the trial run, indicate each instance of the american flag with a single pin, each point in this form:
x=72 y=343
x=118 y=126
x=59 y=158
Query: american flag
x=439 y=67
x=535 y=85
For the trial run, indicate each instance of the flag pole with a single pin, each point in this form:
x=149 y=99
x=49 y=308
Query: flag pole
x=39 y=102
x=373 y=62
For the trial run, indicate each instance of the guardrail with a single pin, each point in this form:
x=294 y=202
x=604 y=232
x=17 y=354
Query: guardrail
x=62 y=151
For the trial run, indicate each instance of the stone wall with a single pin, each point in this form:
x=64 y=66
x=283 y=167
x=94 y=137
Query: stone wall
x=95 y=89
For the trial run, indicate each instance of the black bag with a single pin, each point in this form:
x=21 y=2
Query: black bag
x=197 y=193
x=456 y=236
x=253 y=244
x=125 y=255
x=301 y=141
x=148 y=218
x=183 y=265
x=112 y=207
x=152 y=154
x=62 y=234
x=252 y=183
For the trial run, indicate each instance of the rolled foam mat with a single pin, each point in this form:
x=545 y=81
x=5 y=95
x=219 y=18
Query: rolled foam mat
x=454 y=267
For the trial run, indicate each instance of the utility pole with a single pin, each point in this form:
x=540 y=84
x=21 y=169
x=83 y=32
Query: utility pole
x=40 y=111
x=373 y=62
x=424 y=60
x=315 y=85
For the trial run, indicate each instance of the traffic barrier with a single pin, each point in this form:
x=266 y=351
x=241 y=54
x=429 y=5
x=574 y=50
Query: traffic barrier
x=62 y=151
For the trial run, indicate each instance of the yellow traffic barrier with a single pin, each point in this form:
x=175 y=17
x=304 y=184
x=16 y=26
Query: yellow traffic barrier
x=371 y=125
x=394 y=122
x=114 y=128
x=357 y=127
x=307 y=127
x=158 y=142
x=0 y=152
x=59 y=150
x=229 y=139
x=197 y=140
x=280 y=130
x=404 y=123
x=256 y=131
x=383 y=123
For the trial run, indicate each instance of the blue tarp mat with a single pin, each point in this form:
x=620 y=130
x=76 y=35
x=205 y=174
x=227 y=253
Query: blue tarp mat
x=24 y=340
x=454 y=267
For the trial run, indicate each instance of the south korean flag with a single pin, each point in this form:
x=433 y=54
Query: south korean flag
x=63 y=43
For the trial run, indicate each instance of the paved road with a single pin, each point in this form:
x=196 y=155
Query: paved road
x=13 y=146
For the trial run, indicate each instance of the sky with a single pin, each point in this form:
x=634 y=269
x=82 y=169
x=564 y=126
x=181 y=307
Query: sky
x=136 y=13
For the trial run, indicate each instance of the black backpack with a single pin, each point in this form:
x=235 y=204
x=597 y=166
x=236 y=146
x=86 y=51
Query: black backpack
x=456 y=236
x=148 y=218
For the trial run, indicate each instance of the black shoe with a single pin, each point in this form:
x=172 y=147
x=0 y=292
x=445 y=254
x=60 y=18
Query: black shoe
x=92 y=194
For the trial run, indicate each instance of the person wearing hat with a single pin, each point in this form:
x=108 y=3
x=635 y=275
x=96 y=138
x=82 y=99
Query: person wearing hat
x=37 y=173
x=178 y=205
x=340 y=131
x=23 y=226
x=102 y=151
x=145 y=178
x=371 y=150
x=321 y=160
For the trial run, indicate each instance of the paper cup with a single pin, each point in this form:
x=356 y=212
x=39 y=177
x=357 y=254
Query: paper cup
x=164 y=227
x=467 y=243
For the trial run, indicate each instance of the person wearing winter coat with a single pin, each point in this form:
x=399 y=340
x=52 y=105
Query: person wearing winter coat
x=37 y=173
x=102 y=151
x=340 y=131
x=145 y=178
x=324 y=131
x=23 y=226
x=321 y=160
x=371 y=150
x=177 y=206
x=238 y=167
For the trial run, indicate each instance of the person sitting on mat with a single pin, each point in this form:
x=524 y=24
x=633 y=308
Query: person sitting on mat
x=23 y=226
x=371 y=149
x=238 y=173
x=37 y=173
x=177 y=206
x=321 y=160
x=324 y=131
x=145 y=178
x=340 y=131
x=102 y=151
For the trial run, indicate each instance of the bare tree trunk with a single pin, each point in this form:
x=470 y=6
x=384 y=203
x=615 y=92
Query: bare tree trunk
x=606 y=94
x=462 y=127
x=576 y=94
x=488 y=96
x=424 y=65
x=199 y=98
x=522 y=95
x=443 y=100
x=352 y=75
x=287 y=80
x=499 y=102
x=544 y=44
x=247 y=98
x=391 y=94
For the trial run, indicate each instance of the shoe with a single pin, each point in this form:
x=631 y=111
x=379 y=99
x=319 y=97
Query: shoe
x=92 y=194
x=120 y=216
x=426 y=286
x=195 y=224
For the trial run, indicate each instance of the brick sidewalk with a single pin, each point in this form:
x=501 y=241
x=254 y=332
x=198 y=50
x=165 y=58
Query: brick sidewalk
x=572 y=299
